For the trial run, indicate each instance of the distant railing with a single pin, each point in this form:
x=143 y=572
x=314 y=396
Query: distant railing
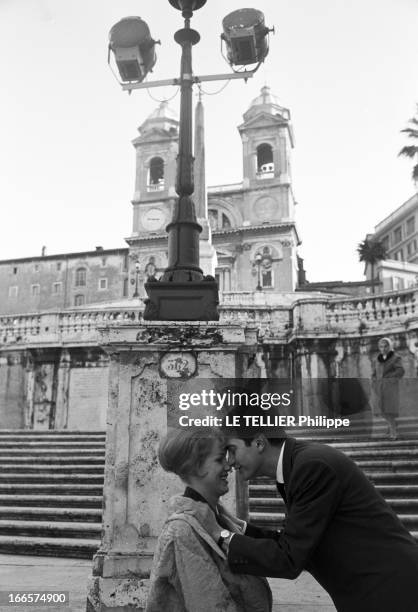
x=372 y=312
x=275 y=315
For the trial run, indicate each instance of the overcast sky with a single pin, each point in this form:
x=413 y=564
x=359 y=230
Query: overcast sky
x=346 y=69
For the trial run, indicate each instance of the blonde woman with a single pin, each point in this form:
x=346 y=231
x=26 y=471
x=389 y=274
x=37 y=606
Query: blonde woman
x=190 y=572
x=387 y=370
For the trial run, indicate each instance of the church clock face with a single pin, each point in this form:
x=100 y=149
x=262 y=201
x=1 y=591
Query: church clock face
x=265 y=208
x=153 y=219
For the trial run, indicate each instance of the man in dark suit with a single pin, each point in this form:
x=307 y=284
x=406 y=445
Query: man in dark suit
x=337 y=527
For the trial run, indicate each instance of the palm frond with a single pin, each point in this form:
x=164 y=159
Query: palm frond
x=412 y=132
x=409 y=151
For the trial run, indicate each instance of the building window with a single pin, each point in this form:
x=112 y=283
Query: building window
x=218 y=220
x=265 y=164
x=397 y=235
x=14 y=270
x=59 y=265
x=409 y=248
x=103 y=262
x=401 y=254
x=102 y=283
x=125 y=287
x=79 y=300
x=36 y=266
x=125 y=262
x=156 y=174
x=80 y=277
x=410 y=226
x=13 y=291
x=34 y=290
x=267 y=279
x=56 y=288
x=385 y=242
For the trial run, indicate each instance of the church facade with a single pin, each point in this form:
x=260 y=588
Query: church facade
x=251 y=225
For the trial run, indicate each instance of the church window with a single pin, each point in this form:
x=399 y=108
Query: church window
x=125 y=287
x=265 y=163
x=79 y=300
x=80 y=277
x=218 y=220
x=34 y=290
x=156 y=174
x=102 y=284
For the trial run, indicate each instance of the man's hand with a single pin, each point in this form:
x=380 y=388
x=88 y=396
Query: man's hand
x=235 y=524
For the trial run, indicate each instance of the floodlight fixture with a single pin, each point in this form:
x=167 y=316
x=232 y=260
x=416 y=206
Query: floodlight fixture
x=246 y=37
x=133 y=47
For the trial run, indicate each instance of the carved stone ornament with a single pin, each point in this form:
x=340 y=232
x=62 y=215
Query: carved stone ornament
x=178 y=365
x=180 y=335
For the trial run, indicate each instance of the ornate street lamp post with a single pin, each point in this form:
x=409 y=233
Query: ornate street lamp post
x=183 y=293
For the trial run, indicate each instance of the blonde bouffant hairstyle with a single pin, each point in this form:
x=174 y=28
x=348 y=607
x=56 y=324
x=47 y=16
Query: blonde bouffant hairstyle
x=183 y=451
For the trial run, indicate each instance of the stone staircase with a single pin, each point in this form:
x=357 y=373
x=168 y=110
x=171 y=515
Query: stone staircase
x=391 y=465
x=51 y=484
x=51 y=488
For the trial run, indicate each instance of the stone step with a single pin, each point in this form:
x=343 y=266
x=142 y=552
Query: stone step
x=30 y=436
x=392 y=465
x=51 y=489
x=50 y=529
x=276 y=504
x=47 y=452
x=376 y=444
x=40 y=500
x=387 y=454
x=47 y=444
x=392 y=478
x=388 y=491
x=41 y=468
x=277 y=519
x=57 y=459
x=51 y=477
x=26 y=513
x=53 y=432
x=78 y=548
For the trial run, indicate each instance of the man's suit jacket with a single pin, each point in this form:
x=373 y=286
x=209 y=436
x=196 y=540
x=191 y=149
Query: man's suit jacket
x=340 y=529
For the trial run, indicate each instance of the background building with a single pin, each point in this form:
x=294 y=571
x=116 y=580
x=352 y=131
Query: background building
x=253 y=227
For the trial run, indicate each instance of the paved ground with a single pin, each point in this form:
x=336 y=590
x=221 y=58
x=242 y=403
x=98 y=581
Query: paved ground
x=43 y=573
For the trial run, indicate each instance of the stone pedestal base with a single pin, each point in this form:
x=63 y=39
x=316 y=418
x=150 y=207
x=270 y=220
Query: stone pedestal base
x=136 y=489
x=175 y=301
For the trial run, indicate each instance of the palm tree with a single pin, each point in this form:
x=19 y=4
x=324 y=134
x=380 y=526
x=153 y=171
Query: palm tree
x=411 y=151
x=371 y=251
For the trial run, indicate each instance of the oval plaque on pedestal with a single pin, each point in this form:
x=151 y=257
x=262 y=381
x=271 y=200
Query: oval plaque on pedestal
x=179 y=364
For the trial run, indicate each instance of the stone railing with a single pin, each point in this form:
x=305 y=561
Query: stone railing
x=68 y=326
x=276 y=316
x=370 y=313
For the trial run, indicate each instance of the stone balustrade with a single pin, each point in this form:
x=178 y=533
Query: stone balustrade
x=373 y=312
x=275 y=315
